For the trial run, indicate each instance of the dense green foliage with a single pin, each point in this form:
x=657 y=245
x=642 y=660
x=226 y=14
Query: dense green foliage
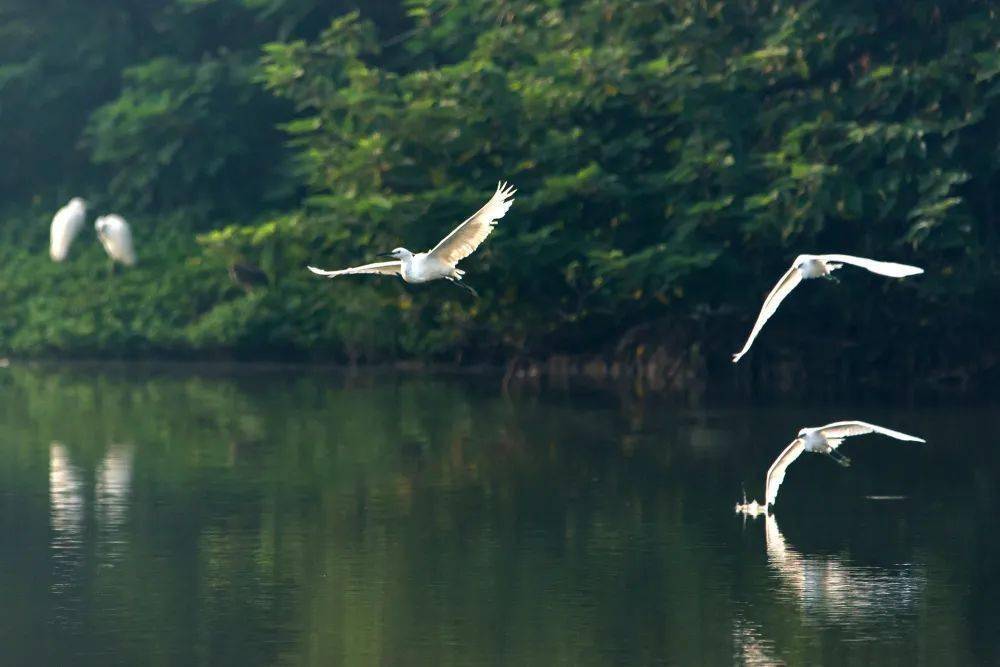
x=671 y=158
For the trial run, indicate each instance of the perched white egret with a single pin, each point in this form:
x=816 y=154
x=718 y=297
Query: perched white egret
x=817 y=266
x=116 y=237
x=821 y=440
x=441 y=261
x=66 y=224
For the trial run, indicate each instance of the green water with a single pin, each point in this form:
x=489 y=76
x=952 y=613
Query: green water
x=185 y=517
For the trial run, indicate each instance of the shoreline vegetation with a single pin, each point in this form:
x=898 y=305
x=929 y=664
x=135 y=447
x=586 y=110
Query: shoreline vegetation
x=670 y=159
x=639 y=371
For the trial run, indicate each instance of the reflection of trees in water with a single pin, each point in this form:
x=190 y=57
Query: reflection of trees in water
x=108 y=407
x=328 y=519
x=520 y=523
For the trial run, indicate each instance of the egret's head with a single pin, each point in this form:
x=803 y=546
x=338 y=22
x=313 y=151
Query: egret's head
x=803 y=432
x=78 y=201
x=398 y=253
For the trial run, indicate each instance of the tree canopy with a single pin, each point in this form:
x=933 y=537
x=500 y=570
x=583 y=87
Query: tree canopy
x=671 y=158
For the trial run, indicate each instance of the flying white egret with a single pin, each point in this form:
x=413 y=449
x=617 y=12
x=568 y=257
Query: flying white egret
x=66 y=224
x=441 y=261
x=821 y=440
x=817 y=266
x=116 y=237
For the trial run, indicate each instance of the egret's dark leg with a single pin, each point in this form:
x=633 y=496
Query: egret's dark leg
x=839 y=458
x=463 y=286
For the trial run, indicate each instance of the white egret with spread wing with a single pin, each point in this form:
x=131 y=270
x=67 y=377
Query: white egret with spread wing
x=821 y=440
x=817 y=266
x=441 y=261
x=66 y=224
x=116 y=237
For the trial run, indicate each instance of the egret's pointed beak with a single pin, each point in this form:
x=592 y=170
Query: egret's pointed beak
x=385 y=254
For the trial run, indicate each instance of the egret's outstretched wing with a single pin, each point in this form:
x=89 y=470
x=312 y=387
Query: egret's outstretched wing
x=784 y=287
x=384 y=268
x=845 y=429
x=891 y=269
x=66 y=224
x=465 y=238
x=776 y=473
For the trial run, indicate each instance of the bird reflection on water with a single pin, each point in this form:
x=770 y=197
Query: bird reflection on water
x=69 y=497
x=829 y=589
x=112 y=488
x=750 y=646
x=65 y=501
x=66 y=518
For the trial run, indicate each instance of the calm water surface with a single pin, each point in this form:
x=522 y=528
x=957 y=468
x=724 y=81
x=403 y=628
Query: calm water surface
x=174 y=517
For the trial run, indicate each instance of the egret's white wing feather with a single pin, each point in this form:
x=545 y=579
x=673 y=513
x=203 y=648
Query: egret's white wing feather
x=385 y=268
x=834 y=442
x=891 y=269
x=778 y=293
x=776 y=473
x=845 y=429
x=465 y=238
